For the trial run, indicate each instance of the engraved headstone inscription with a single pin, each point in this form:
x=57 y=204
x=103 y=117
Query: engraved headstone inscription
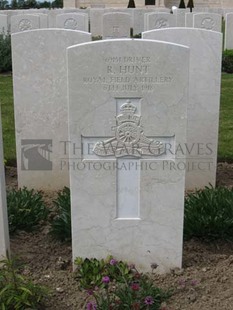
x=127 y=113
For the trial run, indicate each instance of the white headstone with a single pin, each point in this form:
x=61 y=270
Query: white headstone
x=204 y=100
x=96 y=21
x=138 y=19
x=228 y=44
x=159 y=20
x=208 y=21
x=40 y=99
x=20 y=23
x=43 y=21
x=4 y=232
x=124 y=108
x=180 y=17
x=74 y=21
x=3 y=24
x=189 y=20
x=116 y=25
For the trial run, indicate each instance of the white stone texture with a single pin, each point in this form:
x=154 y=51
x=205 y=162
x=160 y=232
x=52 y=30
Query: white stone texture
x=4 y=231
x=225 y=11
x=180 y=17
x=159 y=20
x=204 y=100
x=40 y=100
x=138 y=17
x=96 y=21
x=116 y=25
x=3 y=24
x=135 y=214
x=121 y=10
x=43 y=21
x=72 y=21
x=52 y=14
x=20 y=23
x=189 y=20
x=208 y=21
x=228 y=44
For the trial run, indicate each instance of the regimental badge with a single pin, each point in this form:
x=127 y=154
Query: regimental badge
x=129 y=139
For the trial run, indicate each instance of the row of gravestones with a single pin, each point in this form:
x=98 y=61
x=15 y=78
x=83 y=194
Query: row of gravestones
x=118 y=24
x=131 y=124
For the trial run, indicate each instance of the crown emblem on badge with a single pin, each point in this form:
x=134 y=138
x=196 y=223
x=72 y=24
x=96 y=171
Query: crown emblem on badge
x=128 y=114
x=129 y=139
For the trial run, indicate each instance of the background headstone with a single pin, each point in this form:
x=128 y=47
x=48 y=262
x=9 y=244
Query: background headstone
x=43 y=20
x=134 y=213
x=40 y=101
x=20 y=23
x=208 y=21
x=4 y=231
x=228 y=44
x=180 y=17
x=3 y=24
x=189 y=20
x=96 y=21
x=159 y=20
x=116 y=25
x=204 y=100
x=72 y=21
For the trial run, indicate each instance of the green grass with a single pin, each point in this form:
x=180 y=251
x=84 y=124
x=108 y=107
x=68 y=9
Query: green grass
x=225 y=150
x=225 y=147
x=8 y=127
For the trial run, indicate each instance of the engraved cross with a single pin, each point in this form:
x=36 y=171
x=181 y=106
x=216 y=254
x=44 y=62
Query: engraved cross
x=127 y=147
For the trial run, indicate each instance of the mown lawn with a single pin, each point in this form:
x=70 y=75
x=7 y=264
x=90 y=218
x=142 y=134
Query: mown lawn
x=8 y=124
x=225 y=151
x=225 y=147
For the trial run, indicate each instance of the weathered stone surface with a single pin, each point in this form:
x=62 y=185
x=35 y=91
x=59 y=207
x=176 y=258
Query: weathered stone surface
x=4 y=232
x=204 y=100
x=20 y=23
x=208 y=21
x=159 y=20
x=3 y=24
x=126 y=201
x=228 y=44
x=40 y=100
x=72 y=21
x=116 y=25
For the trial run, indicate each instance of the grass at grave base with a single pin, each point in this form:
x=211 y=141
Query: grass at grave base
x=225 y=150
x=8 y=127
x=225 y=147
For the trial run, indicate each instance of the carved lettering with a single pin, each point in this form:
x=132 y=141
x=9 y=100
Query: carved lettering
x=134 y=69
